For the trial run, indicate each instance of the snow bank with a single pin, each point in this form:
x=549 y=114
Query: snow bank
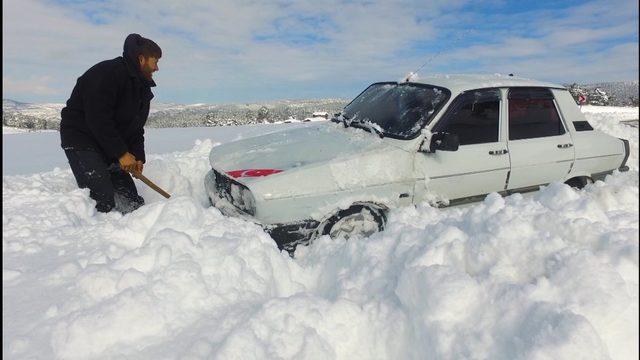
x=48 y=154
x=607 y=119
x=614 y=112
x=14 y=130
x=553 y=274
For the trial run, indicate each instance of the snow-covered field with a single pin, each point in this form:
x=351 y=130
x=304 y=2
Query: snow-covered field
x=20 y=155
x=550 y=275
x=14 y=130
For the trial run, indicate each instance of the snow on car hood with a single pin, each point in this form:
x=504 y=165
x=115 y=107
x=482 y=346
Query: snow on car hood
x=295 y=148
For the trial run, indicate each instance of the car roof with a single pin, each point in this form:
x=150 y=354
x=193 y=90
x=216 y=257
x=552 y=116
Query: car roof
x=457 y=83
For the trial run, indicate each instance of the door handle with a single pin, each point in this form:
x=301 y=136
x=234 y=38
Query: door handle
x=564 y=146
x=498 y=152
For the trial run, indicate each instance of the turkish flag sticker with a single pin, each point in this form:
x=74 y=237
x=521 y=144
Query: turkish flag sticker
x=253 y=172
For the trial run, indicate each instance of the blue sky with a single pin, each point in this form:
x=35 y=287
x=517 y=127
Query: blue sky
x=248 y=51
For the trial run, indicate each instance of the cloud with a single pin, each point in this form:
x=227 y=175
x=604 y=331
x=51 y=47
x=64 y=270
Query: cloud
x=38 y=85
x=252 y=50
x=614 y=64
x=563 y=45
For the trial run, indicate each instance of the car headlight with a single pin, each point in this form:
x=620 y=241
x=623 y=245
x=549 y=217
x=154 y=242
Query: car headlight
x=237 y=194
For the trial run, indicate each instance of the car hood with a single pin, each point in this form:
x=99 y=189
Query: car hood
x=297 y=147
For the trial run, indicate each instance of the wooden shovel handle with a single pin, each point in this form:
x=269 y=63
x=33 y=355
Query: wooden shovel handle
x=150 y=184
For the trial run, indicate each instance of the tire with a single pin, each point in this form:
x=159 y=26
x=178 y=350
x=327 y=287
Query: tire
x=356 y=221
x=579 y=182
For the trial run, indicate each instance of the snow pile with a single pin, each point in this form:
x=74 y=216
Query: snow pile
x=607 y=119
x=553 y=274
x=610 y=113
x=12 y=130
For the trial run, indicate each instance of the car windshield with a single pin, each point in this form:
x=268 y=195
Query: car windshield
x=395 y=110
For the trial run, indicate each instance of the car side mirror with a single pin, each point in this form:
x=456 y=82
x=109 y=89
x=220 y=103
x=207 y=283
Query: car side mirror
x=441 y=141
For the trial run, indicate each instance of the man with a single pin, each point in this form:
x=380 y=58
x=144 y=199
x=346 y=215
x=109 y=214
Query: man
x=102 y=125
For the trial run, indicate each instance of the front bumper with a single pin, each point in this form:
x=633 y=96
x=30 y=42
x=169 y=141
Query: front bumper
x=286 y=235
x=627 y=152
x=221 y=202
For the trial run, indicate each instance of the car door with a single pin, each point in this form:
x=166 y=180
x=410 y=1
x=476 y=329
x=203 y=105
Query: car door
x=539 y=144
x=481 y=163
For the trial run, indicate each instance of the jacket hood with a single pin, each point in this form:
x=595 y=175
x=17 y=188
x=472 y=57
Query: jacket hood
x=130 y=54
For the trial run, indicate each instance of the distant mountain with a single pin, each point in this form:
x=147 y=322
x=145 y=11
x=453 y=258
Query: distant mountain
x=240 y=114
x=11 y=104
x=30 y=116
x=163 y=115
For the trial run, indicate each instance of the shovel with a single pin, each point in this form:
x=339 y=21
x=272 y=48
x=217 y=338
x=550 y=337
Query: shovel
x=150 y=183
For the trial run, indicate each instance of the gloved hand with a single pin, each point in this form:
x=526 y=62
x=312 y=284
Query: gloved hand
x=128 y=162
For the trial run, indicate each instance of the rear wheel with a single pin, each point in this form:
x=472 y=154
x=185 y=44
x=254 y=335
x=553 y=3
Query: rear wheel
x=356 y=221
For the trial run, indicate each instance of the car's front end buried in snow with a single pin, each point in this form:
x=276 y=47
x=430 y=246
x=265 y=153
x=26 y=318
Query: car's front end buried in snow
x=228 y=195
x=236 y=200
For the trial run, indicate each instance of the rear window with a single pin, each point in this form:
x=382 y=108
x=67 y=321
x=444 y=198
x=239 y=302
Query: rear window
x=533 y=114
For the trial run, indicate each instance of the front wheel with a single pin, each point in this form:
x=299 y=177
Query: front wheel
x=356 y=221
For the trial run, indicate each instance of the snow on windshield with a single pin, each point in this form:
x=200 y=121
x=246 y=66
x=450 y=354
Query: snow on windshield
x=397 y=109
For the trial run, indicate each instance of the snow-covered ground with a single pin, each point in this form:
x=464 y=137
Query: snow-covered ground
x=14 y=130
x=553 y=274
x=621 y=113
x=20 y=156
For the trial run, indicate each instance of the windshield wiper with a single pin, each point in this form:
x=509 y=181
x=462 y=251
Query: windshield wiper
x=360 y=124
x=340 y=117
x=368 y=126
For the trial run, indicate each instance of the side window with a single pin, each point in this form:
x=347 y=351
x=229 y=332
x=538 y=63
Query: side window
x=533 y=114
x=473 y=116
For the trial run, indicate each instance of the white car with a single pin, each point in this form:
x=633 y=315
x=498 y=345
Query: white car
x=443 y=139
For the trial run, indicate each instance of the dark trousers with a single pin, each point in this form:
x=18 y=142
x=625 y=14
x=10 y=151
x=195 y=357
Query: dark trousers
x=109 y=186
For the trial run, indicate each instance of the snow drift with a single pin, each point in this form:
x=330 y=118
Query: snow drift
x=552 y=274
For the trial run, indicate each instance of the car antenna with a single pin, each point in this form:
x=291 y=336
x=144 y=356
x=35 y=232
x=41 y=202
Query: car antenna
x=458 y=38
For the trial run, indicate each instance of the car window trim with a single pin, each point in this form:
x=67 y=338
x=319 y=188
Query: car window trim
x=436 y=110
x=562 y=121
x=555 y=104
x=501 y=103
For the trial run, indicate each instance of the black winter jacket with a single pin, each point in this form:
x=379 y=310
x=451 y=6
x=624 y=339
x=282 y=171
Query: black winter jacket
x=108 y=107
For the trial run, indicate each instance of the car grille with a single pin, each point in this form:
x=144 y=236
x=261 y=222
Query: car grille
x=234 y=192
